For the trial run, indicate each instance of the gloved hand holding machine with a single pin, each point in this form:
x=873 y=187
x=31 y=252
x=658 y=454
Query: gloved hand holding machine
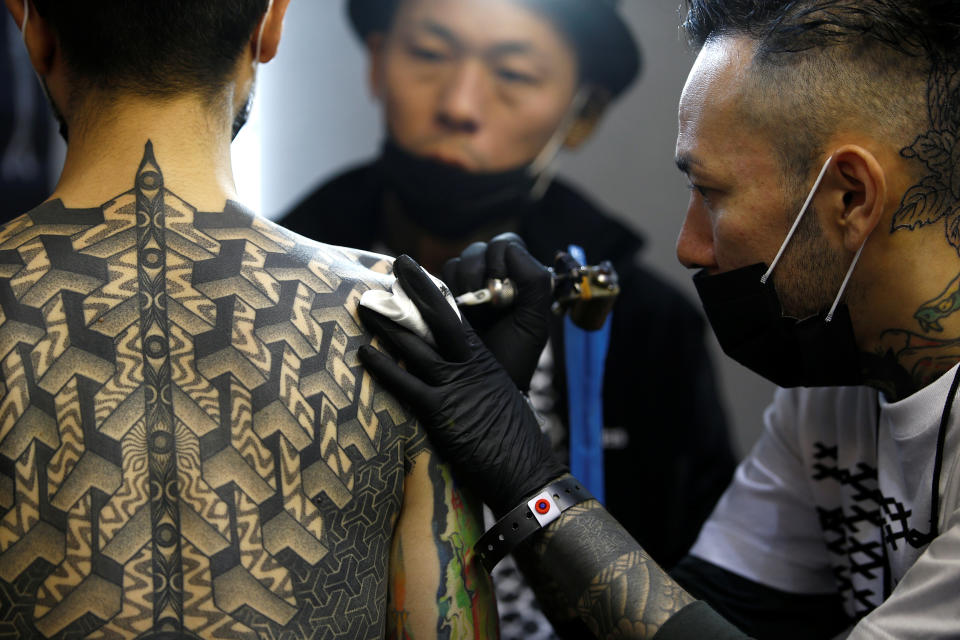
x=587 y=292
x=464 y=385
x=510 y=316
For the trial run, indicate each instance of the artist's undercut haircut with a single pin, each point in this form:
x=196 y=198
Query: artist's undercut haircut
x=885 y=67
x=153 y=48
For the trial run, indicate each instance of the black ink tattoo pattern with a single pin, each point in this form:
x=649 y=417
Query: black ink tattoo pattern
x=907 y=360
x=937 y=196
x=188 y=445
x=158 y=387
x=629 y=596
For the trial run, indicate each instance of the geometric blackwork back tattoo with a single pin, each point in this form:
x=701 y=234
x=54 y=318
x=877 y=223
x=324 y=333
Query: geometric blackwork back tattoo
x=188 y=445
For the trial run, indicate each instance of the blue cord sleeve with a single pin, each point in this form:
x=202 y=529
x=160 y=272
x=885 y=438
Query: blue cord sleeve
x=586 y=353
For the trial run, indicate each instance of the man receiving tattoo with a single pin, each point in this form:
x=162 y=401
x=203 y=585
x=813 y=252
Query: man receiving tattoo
x=188 y=445
x=821 y=139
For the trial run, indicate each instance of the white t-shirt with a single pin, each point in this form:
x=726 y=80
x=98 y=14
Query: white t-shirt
x=803 y=512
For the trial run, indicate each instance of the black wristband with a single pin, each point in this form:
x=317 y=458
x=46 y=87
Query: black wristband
x=528 y=518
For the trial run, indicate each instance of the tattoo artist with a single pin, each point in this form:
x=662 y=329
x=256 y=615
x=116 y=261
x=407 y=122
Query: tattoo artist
x=820 y=141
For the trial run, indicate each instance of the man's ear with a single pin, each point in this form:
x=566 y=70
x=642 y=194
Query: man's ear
x=272 y=31
x=375 y=43
x=41 y=41
x=854 y=196
x=587 y=120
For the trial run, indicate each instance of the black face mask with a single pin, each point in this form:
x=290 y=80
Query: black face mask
x=747 y=319
x=450 y=202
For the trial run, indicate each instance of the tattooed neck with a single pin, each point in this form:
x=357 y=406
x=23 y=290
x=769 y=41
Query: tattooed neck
x=882 y=372
x=195 y=148
x=910 y=357
x=906 y=361
x=907 y=358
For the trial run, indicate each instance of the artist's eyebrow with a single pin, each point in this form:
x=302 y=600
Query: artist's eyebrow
x=685 y=161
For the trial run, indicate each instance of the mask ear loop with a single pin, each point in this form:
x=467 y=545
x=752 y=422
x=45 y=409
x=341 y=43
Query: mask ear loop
x=846 y=279
x=796 y=223
x=542 y=166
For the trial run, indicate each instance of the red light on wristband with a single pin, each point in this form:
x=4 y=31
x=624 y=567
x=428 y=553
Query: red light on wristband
x=542 y=506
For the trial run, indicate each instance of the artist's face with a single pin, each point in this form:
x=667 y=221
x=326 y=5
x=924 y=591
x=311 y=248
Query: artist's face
x=482 y=84
x=741 y=202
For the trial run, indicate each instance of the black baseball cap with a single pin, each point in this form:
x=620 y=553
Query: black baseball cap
x=608 y=53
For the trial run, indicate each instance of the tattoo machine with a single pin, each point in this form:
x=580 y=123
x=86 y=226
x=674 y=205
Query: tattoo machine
x=587 y=292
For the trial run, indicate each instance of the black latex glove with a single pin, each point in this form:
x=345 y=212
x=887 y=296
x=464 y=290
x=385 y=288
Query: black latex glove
x=516 y=334
x=470 y=407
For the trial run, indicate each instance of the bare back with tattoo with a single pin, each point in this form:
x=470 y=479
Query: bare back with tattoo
x=189 y=447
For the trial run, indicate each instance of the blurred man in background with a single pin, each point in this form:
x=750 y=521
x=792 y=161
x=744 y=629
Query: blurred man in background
x=478 y=98
x=26 y=153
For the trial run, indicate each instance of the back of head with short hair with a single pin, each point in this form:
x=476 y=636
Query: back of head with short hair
x=888 y=67
x=152 y=47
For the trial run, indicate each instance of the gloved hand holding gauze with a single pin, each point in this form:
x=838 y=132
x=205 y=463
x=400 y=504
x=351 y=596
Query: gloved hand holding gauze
x=467 y=402
x=397 y=306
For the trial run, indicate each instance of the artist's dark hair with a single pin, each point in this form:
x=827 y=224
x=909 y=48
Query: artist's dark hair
x=892 y=66
x=913 y=27
x=152 y=47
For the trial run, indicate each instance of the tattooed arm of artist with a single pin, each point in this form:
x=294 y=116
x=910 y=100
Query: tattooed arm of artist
x=593 y=579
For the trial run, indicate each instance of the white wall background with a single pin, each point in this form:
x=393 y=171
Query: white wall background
x=316 y=117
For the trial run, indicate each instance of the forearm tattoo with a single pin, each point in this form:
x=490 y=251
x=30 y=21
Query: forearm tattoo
x=188 y=445
x=626 y=594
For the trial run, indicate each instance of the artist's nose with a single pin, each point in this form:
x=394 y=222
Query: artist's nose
x=695 y=244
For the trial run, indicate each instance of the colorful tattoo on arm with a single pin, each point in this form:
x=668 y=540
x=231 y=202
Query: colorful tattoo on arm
x=398 y=615
x=465 y=597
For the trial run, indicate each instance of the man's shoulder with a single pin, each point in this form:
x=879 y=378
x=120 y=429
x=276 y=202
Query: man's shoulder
x=820 y=398
x=567 y=212
x=347 y=263
x=52 y=216
x=824 y=414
